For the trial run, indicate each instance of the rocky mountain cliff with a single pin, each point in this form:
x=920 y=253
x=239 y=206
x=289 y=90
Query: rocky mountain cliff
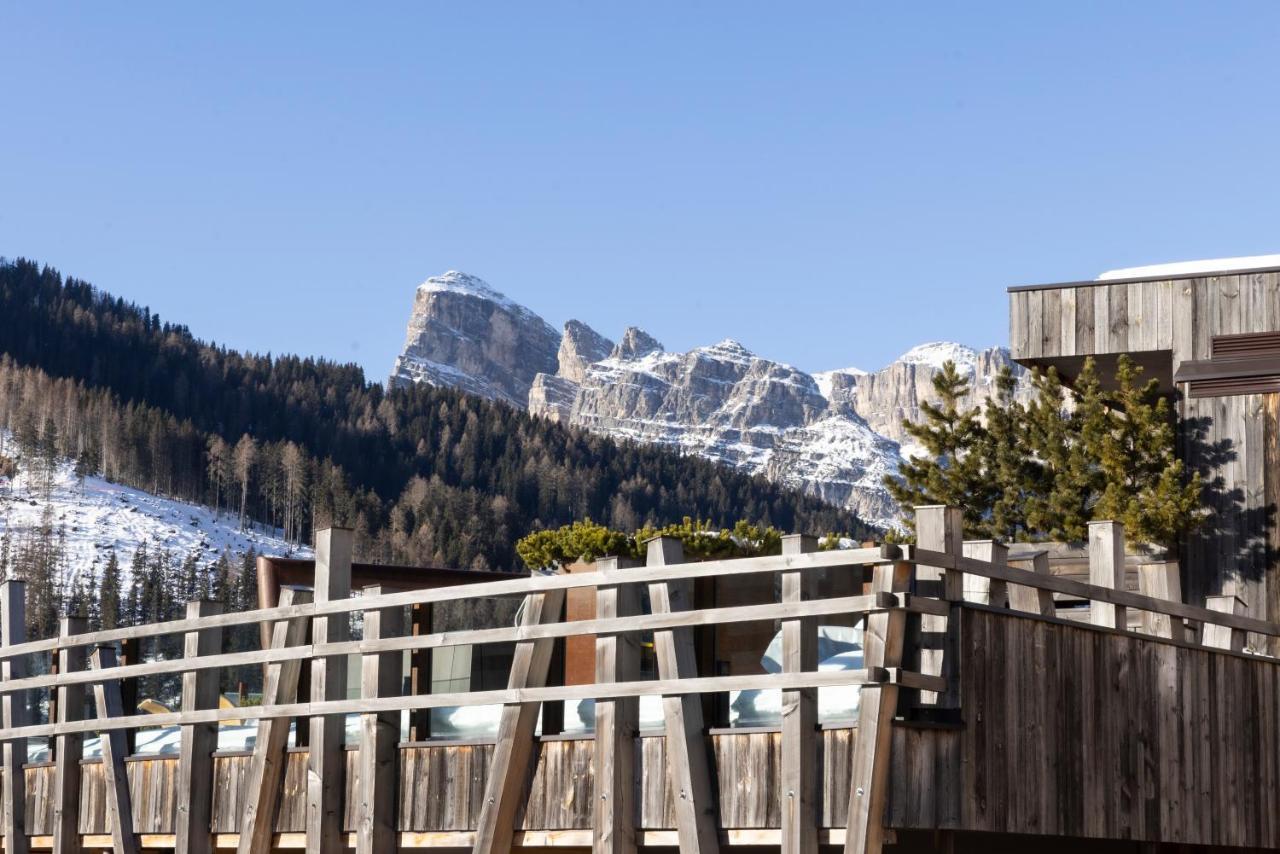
x=834 y=434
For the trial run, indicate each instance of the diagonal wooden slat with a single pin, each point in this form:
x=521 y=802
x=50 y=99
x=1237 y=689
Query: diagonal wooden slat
x=114 y=746
x=509 y=768
x=266 y=766
x=686 y=746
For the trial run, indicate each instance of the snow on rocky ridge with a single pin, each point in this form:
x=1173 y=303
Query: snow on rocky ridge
x=100 y=517
x=835 y=434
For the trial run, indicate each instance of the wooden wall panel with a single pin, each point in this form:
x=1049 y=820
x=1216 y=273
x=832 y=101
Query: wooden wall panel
x=1089 y=733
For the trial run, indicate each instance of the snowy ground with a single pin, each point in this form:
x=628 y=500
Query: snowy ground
x=99 y=517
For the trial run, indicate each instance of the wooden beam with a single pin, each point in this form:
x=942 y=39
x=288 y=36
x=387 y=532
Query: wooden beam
x=617 y=720
x=420 y=667
x=267 y=765
x=106 y=696
x=882 y=646
x=1161 y=581
x=986 y=591
x=69 y=748
x=799 y=804
x=686 y=746
x=509 y=768
x=727 y=568
x=13 y=631
x=1222 y=637
x=326 y=762
x=193 y=823
x=378 y=766
x=1033 y=600
x=940 y=529
x=1106 y=569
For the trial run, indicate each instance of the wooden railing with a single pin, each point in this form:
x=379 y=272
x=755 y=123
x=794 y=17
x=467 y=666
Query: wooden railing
x=909 y=657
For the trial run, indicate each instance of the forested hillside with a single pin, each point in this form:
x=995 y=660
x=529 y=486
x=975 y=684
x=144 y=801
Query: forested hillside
x=425 y=475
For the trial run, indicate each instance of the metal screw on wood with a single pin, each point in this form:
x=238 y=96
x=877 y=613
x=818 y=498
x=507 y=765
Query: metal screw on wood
x=859 y=791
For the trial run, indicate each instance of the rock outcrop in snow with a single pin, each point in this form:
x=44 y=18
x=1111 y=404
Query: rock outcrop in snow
x=834 y=434
x=463 y=333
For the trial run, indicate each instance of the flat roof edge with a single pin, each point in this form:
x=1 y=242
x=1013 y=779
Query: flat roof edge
x=1093 y=283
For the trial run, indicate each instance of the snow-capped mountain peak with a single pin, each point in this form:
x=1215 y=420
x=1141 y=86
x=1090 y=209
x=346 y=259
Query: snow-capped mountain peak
x=936 y=353
x=835 y=434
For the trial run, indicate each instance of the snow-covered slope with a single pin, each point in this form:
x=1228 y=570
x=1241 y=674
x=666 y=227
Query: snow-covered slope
x=99 y=517
x=835 y=434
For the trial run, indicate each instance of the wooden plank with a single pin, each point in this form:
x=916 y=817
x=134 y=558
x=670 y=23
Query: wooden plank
x=642 y=622
x=1033 y=600
x=69 y=748
x=267 y=765
x=326 y=764
x=883 y=644
x=685 y=744
x=1106 y=569
x=1160 y=581
x=977 y=588
x=119 y=803
x=13 y=709
x=1222 y=637
x=940 y=529
x=617 y=721
x=378 y=769
x=798 y=803
x=725 y=568
x=194 y=821
x=509 y=768
x=420 y=672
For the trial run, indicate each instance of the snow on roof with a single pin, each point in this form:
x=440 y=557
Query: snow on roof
x=1186 y=268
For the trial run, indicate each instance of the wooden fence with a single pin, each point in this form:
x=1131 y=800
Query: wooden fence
x=912 y=670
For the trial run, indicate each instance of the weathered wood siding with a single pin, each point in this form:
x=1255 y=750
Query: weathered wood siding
x=1226 y=438
x=1088 y=733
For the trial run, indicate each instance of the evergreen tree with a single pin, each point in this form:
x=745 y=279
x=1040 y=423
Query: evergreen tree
x=109 y=602
x=952 y=472
x=1144 y=484
x=1011 y=472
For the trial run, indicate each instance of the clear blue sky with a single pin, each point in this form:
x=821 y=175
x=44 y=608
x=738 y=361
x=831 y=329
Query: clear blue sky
x=829 y=183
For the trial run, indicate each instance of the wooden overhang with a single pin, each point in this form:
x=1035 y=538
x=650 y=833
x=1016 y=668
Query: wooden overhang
x=1239 y=364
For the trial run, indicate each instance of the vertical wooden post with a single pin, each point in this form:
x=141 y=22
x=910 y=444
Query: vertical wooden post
x=617 y=720
x=1033 y=600
x=130 y=653
x=1161 y=581
x=509 y=768
x=799 y=806
x=420 y=672
x=267 y=765
x=1224 y=637
x=686 y=746
x=326 y=761
x=119 y=803
x=883 y=643
x=986 y=591
x=13 y=631
x=193 y=824
x=1106 y=569
x=940 y=529
x=70 y=747
x=378 y=765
